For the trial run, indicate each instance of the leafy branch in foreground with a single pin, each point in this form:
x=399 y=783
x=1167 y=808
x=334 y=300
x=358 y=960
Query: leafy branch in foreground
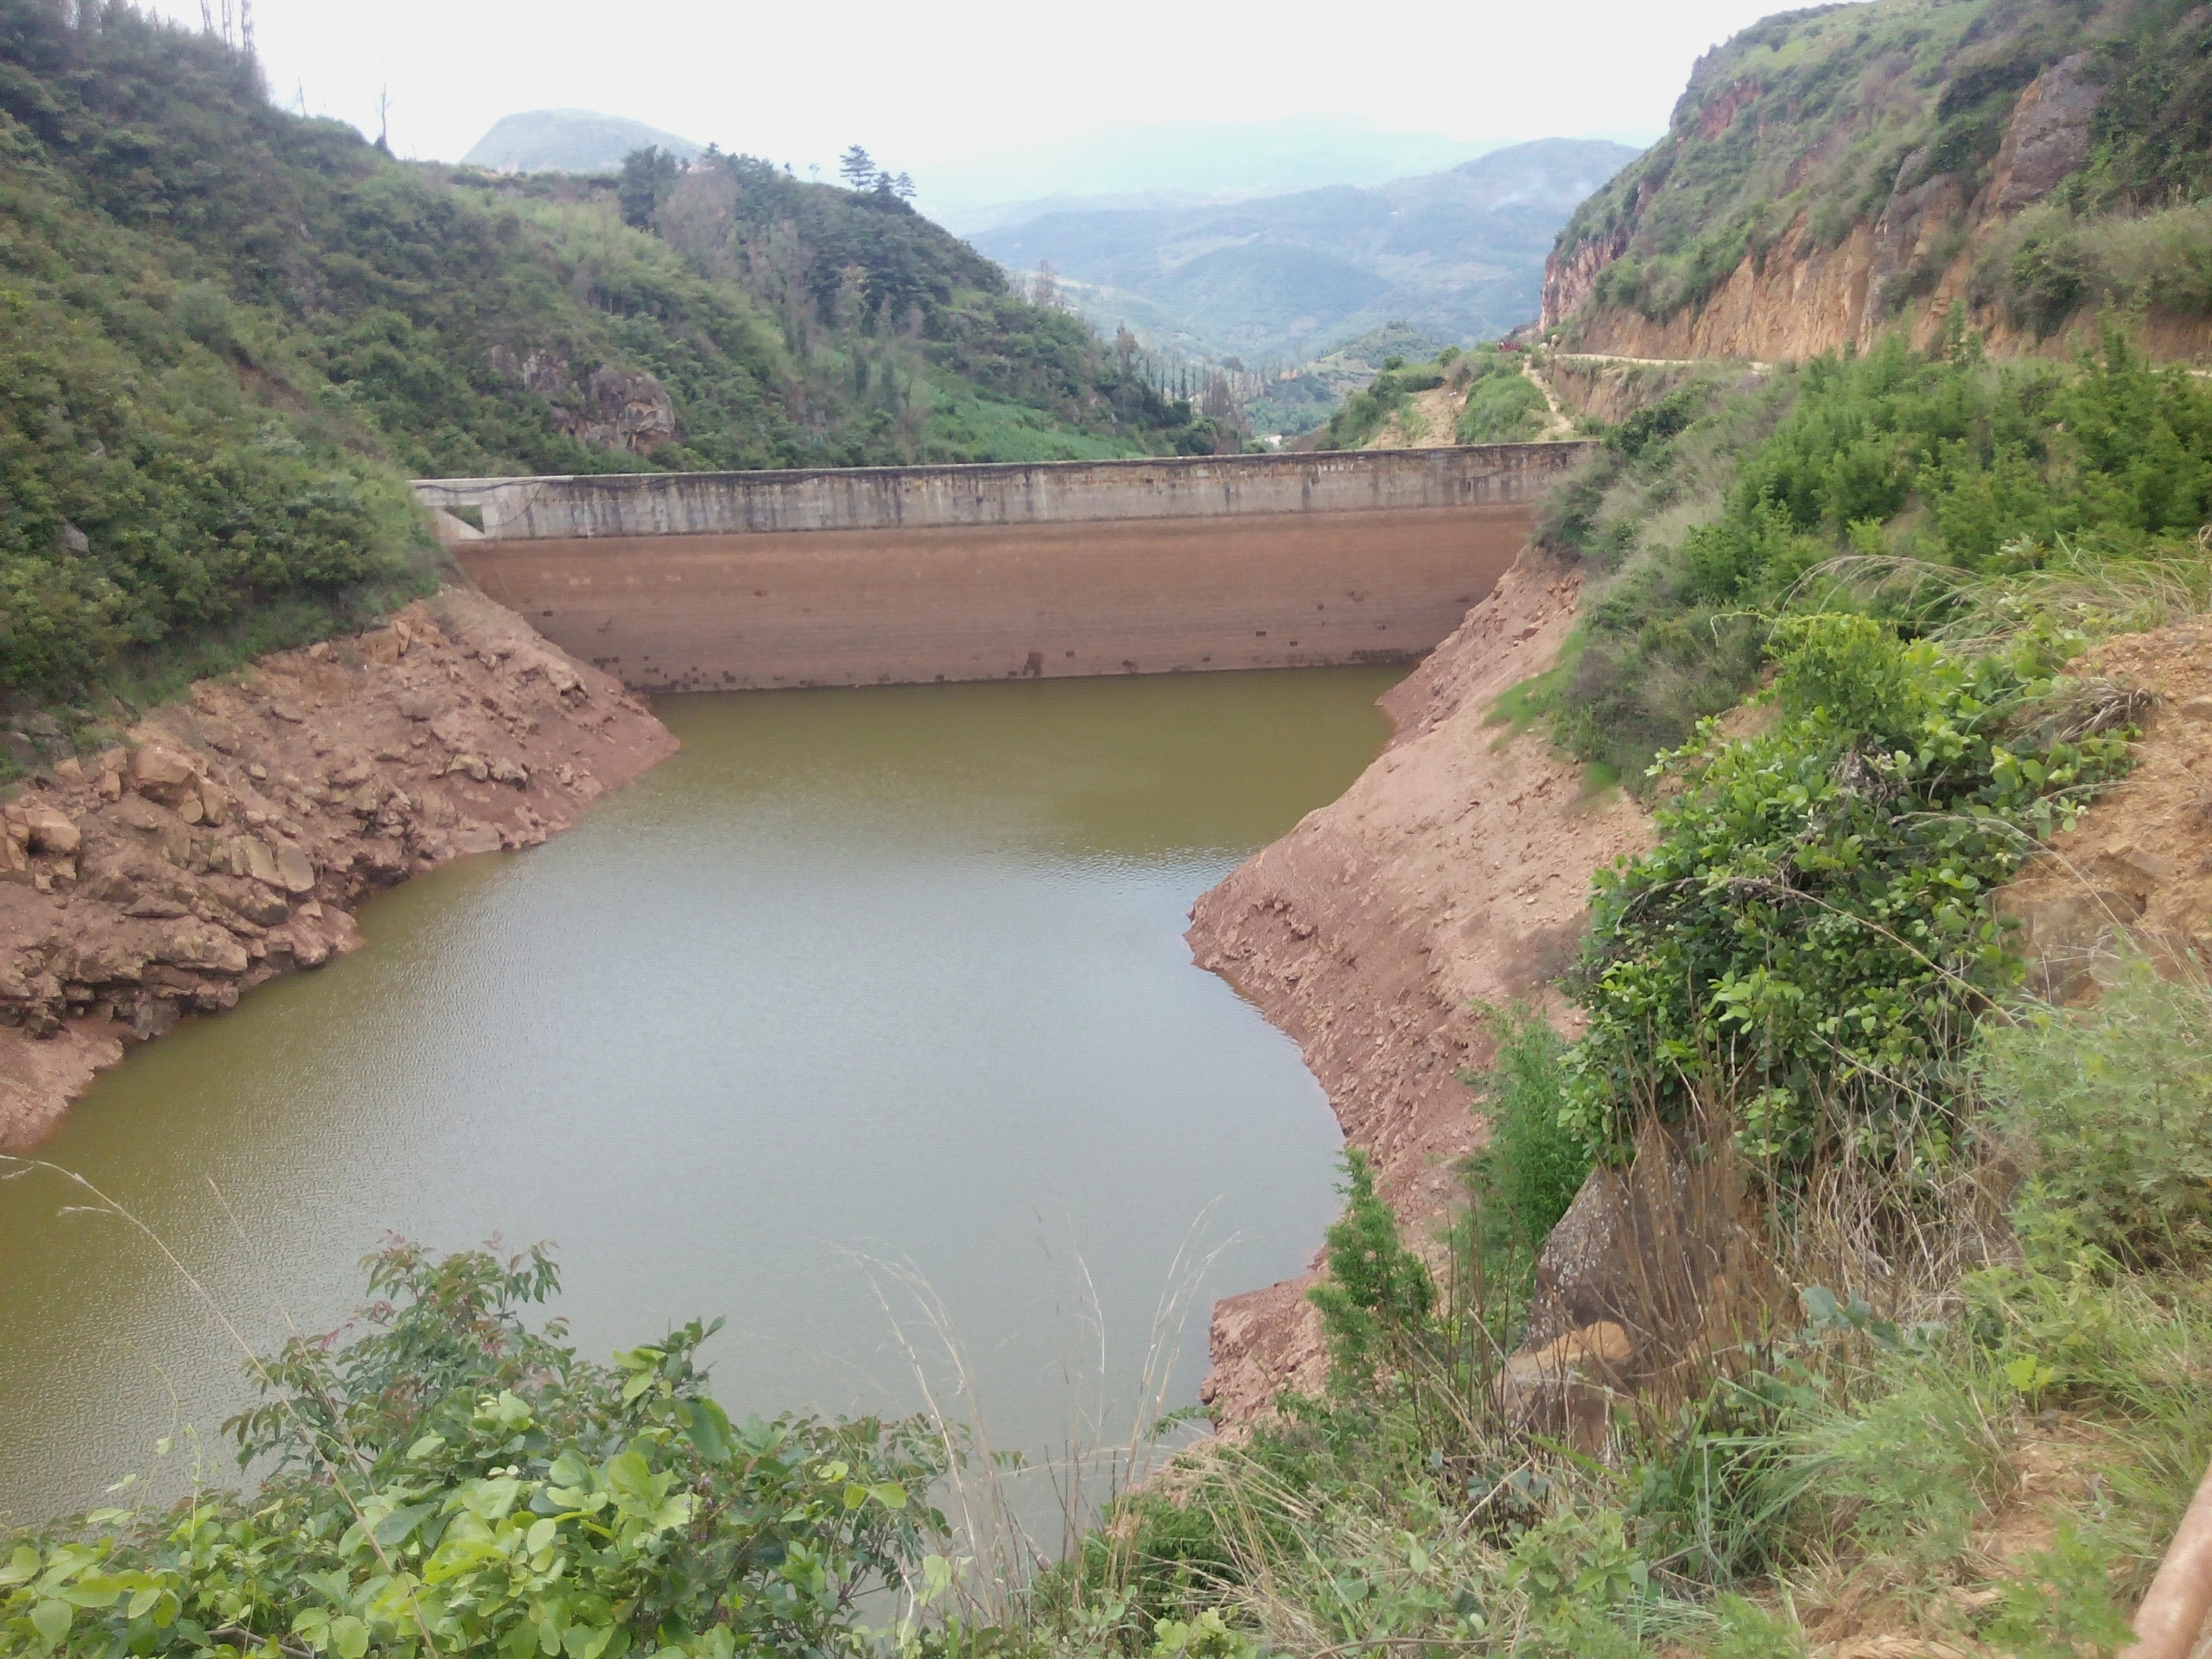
x=450 y=1482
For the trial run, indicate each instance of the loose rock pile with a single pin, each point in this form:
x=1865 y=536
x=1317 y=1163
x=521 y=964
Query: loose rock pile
x=228 y=839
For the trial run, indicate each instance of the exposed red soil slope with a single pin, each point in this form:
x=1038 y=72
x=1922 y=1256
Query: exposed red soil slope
x=2138 y=862
x=1454 y=873
x=229 y=839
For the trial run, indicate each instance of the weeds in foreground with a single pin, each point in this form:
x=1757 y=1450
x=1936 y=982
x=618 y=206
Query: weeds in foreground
x=1950 y=1431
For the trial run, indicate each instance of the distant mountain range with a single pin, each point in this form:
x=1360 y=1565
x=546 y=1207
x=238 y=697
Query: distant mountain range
x=1458 y=254
x=568 y=141
x=1175 y=163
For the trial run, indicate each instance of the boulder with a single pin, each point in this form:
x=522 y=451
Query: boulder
x=251 y=856
x=51 y=831
x=110 y=961
x=2047 y=137
x=161 y=775
x=1665 y=1253
x=201 y=947
x=1566 y=1389
x=294 y=872
x=505 y=771
x=474 y=838
x=254 y=903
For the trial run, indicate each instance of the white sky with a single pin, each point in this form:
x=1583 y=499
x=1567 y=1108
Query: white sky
x=927 y=85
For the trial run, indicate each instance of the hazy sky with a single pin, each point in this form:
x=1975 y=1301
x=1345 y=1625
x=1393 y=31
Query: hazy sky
x=925 y=85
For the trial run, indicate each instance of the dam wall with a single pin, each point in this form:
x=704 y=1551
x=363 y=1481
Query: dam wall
x=888 y=575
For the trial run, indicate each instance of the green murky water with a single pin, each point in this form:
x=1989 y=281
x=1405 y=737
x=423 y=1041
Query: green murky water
x=873 y=976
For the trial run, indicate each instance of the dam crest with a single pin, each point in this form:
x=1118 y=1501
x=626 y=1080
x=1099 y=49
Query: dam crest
x=696 y=581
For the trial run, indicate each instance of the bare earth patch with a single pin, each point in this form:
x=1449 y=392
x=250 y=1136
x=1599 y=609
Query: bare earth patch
x=1453 y=872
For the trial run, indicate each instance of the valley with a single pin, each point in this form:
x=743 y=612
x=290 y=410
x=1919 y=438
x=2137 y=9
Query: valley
x=650 y=703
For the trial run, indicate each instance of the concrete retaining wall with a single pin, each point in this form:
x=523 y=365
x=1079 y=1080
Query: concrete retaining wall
x=1049 y=493
x=906 y=574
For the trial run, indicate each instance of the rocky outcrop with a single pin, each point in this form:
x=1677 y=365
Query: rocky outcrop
x=2048 y=138
x=1571 y=275
x=609 y=410
x=1454 y=873
x=1797 y=297
x=229 y=838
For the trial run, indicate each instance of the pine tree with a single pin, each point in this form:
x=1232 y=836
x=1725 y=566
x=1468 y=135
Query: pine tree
x=857 y=168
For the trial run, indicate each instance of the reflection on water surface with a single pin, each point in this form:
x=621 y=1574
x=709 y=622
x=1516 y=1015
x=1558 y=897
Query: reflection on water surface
x=892 y=973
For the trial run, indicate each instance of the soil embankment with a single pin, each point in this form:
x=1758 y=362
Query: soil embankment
x=230 y=837
x=1454 y=873
x=2136 y=869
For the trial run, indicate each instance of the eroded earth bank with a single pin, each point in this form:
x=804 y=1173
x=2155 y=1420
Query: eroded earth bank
x=229 y=837
x=1452 y=875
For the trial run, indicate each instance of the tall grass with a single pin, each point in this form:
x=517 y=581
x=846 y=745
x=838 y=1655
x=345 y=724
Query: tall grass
x=1001 y=1577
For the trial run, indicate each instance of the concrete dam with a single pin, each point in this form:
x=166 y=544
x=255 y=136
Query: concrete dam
x=691 y=581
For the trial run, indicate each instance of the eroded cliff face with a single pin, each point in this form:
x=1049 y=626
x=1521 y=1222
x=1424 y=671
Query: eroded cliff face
x=231 y=838
x=1453 y=873
x=1906 y=267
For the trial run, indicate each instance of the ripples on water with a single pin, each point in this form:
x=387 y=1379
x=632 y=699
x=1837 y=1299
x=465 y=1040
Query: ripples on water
x=889 y=973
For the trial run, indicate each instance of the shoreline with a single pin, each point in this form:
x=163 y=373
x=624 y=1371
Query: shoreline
x=1454 y=873
x=232 y=837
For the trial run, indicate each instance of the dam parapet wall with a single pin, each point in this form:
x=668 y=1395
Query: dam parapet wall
x=630 y=505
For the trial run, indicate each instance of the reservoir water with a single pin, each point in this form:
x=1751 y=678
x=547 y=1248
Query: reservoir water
x=860 y=981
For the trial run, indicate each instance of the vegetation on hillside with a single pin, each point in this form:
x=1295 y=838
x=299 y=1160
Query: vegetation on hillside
x=1714 y=507
x=231 y=334
x=1498 y=403
x=1811 y=123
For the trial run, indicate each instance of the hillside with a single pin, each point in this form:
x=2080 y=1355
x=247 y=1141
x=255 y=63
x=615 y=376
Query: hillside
x=1831 y=173
x=1456 y=253
x=232 y=333
x=568 y=141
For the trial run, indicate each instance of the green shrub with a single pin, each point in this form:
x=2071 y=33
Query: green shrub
x=1377 y=1297
x=1532 y=1167
x=2111 y=1107
x=1811 y=934
x=453 y=1481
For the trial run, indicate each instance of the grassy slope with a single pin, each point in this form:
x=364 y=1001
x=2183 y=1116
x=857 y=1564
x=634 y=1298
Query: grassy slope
x=1806 y=124
x=1497 y=403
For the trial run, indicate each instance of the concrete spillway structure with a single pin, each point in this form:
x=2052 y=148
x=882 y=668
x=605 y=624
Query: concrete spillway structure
x=879 y=576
